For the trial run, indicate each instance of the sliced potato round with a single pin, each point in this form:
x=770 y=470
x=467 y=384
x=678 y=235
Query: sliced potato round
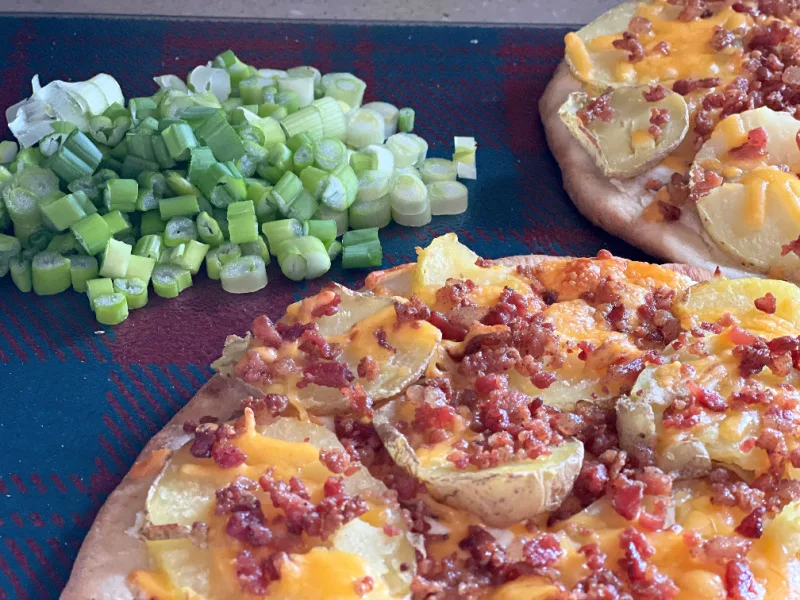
x=598 y=67
x=184 y=494
x=757 y=209
x=623 y=147
x=500 y=496
x=708 y=301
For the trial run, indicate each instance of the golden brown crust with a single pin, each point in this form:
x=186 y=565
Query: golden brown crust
x=108 y=553
x=620 y=212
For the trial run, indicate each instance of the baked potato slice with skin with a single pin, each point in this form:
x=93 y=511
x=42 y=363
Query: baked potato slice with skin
x=185 y=494
x=499 y=496
x=411 y=347
x=623 y=147
x=757 y=208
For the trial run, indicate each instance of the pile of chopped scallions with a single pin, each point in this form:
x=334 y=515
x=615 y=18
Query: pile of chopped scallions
x=233 y=166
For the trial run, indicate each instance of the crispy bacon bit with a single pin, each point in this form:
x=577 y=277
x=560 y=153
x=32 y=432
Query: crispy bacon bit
x=687 y=86
x=754 y=147
x=739 y=581
x=669 y=211
x=692 y=9
x=368 y=368
x=663 y=47
x=591 y=482
x=543 y=551
x=703 y=181
x=723 y=548
x=455 y=293
x=328 y=374
x=274 y=404
x=793 y=246
x=752 y=357
x=722 y=38
x=364 y=585
x=510 y=305
x=316 y=346
x=380 y=335
x=768 y=303
x=337 y=461
x=626 y=496
x=328 y=309
x=752 y=526
x=706 y=398
x=450 y=328
x=227 y=456
x=264 y=330
x=631 y=45
x=655 y=93
x=413 y=310
x=203 y=441
x=360 y=402
x=254 y=577
x=659 y=117
x=653 y=185
x=655 y=132
x=682 y=413
x=483 y=263
x=598 y=108
x=639 y=25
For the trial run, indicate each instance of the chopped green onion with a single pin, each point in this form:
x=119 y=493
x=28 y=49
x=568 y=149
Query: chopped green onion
x=257 y=248
x=87 y=186
x=362 y=256
x=349 y=180
x=361 y=161
x=92 y=233
x=208 y=230
x=133 y=166
x=288 y=99
x=389 y=113
x=9 y=248
x=382 y=158
x=405 y=121
x=139 y=144
x=254 y=156
x=50 y=273
x=170 y=280
x=329 y=153
x=81 y=270
x=64 y=244
x=8 y=152
x=345 y=87
x=306 y=120
x=305 y=71
x=244 y=275
x=364 y=127
x=26 y=158
x=141 y=108
x=111 y=309
x=408 y=195
x=407 y=149
x=416 y=220
x=117 y=223
x=179 y=185
x=334 y=249
x=37 y=239
x=98 y=287
x=372 y=185
x=64 y=211
x=323 y=230
x=133 y=289
x=218 y=135
x=161 y=152
x=242 y=222
x=303 y=158
x=301 y=85
x=140 y=267
x=285 y=191
x=340 y=216
x=21 y=273
x=447 y=197
x=303 y=207
x=121 y=194
x=202 y=159
x=374 y=213
x=277 y=232
x=179 y=230
x=67 y=165
x=464 y=156
x=84 y=149
x=151 y=245
x=146 y=200
x=219 y=256
x=270 y=109
x=437 y=169
x=116 y=257
x=151 y=222
x=179 y=206
x=189 y=255
x=295 y=142
x=39 y=182
x=278 y=162
x=361 y=236
x=153 y=180
x=251 y=89
x=22 y=207
x=179 y=139
x=210 y=79
x=303 y=258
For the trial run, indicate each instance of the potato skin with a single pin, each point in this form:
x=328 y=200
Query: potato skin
x=498 y=498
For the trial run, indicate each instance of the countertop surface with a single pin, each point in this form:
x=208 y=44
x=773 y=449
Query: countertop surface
x=474 y=11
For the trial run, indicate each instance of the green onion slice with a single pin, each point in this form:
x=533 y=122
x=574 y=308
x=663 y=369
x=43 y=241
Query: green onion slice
x=81 y=270
x=377 y=213
x=418 y=220
x=116 y=257
x=447 y=197
x=437 y=169
x=134 y=290
x=179 y=230
x=364 y=127
x=111 y=309
x=50 y=273
x=92 y=233
x=408 y=195
x=405 y=120
x=244 y=275
x=362 y=256
x=170 y=280
x=372 y=185
x=21 y=273
x=389 y=113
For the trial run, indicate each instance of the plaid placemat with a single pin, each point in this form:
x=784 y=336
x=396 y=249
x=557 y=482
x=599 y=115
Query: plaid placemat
x=78 y=401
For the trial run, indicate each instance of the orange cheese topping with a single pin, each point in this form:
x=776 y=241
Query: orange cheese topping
x=761 y=182
x=578 y=54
